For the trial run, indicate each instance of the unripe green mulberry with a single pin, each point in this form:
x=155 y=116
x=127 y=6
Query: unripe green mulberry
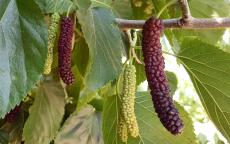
x=128 y=100
x=52 y=34
x=122 y=130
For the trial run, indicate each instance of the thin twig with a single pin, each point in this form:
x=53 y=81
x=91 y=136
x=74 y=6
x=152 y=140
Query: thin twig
x=186 y=14
x=194 y=23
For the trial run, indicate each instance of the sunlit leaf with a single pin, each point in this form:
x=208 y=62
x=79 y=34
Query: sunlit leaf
x=105 y=44
x=209 y=71
x=46 y=114
x=83 y=127
x=151 y=129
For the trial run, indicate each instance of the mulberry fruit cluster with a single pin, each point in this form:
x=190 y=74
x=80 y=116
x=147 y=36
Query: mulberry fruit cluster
x=64 y=50
x=128 y=100
x=122 y=130
x=154 y=67
x=13 y=115
x=52 y=34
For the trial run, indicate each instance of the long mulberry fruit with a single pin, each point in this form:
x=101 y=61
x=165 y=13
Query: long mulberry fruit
x=154 y=67
x=64 y=50
x=13 y=115
x=122 y=130
x=128 y=100
x=52 y=34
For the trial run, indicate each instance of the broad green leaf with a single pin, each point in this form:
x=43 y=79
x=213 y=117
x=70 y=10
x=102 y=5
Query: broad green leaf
x=105 y=45
x=209 y=8
x=209 y=71
x=172 y=80
x=46 y=114
x=23 y=39
x=151 y=130
x=82 y=127
x=81 y=55
x=142 y=9
x=121 y=8
x=51 y=6
x=110 y=118
x=80 y=60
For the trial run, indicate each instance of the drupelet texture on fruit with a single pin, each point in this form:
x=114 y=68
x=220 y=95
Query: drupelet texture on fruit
x=64 y=50
x=154 y=67
x=128 y=100
x=122 y=130
x=52 y=34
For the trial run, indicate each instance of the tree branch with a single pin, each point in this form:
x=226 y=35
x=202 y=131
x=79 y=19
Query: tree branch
x=194 y=23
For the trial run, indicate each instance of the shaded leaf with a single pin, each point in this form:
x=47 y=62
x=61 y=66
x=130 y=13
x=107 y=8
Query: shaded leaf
x=23 y=36
x=209 y=71
x=51 y=6
x=121 y=8
x=105 y=44
x=83 y=127
x=45 y=114
x=151 y=130
x=172 y=79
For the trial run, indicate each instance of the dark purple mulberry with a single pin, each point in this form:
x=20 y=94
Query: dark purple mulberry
x=13 y=115
x=154 y=67
x=64 y=50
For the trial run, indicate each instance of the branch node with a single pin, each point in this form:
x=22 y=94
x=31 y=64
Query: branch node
x=186 y=14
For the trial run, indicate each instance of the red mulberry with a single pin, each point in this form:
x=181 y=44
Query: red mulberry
x=13 y=115
x=154 y=67
x=64 y=50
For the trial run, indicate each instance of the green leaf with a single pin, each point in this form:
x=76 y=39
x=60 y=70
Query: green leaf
x=23 y=39
x=142 y=9
x=209 y=71
x=81 y=55
x=45 y=114
x=172 y=80
x=209 y=8
x=140 y=73
x=51 y=6
x=80 y=59
x=83 y=127
x=151 y=130
x=120 y=8
x=105 y=45
x=110 y=117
